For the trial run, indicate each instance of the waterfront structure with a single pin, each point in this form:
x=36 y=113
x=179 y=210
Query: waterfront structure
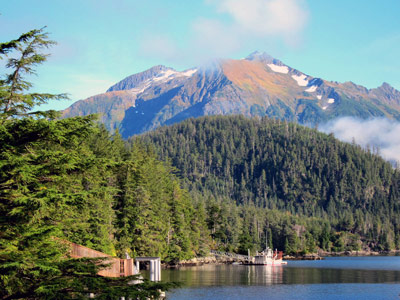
x=155 y=266
x=118 y=267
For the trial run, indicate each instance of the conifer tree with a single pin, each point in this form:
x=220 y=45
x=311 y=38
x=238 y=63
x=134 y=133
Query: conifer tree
x=296 y=170
x=57 y=181
x=14 y=99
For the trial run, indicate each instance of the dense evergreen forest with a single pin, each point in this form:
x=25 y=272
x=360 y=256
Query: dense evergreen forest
x=214 y=182
x=305 y=187
x=70 y=180
x=99 y=193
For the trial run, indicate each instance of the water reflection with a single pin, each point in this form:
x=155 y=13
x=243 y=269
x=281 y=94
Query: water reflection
x=257 y=275
x=341 y=278
x=226 y=275
x=319 y=275
x=293 y=273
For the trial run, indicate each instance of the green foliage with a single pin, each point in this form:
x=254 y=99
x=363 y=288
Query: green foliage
x=245 y=243
x=77 y=279
x=14 y=101
x=70 y=180
x=63 y=178
x=154 y=215
x=43 y=170
x=279 y=166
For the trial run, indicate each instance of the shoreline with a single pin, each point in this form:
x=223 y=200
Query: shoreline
x=216 y=260
x=358 y=253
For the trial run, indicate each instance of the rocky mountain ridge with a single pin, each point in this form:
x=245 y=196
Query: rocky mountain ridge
x=258 y=85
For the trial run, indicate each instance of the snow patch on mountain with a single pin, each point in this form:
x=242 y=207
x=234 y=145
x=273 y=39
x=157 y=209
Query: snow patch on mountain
x=312 y=89
x=140 y=89
x=300 y=79
x=143 y=86
x=170 y=74
x=189 y=73
x=319 y=97
x=278 y=69
x=331 y=100
x=164 y=75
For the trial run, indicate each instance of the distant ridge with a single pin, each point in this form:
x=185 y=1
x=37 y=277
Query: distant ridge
x=258 y=85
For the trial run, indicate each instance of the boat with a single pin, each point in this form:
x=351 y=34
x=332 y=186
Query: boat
x=268 y=257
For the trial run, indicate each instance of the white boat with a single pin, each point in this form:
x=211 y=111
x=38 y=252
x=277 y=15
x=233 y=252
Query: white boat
x=268 y=257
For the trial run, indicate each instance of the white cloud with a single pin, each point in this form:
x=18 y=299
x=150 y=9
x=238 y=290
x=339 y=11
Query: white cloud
x=213 y=39
x=237 y=25
x=379 y=133
x=267 y=17
x=245 y=22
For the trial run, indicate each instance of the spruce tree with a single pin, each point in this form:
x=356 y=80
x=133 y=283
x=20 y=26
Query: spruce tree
x=57 y=181
x=14 y=99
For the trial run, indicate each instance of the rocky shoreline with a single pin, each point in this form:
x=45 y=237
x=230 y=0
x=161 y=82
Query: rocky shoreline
x=311 y=256
x=214 y=260
x=199 y=261
x=358 y=253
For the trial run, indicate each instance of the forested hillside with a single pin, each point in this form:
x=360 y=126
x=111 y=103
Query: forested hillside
x=99 y=193
x=69 y=180
x=259 y=172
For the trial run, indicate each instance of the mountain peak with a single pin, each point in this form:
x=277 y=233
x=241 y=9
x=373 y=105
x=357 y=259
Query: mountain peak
x=135 y=80
x=256 y=86
x=385 y=86
x=388 y=89
x=260 y=56
x=388 y=92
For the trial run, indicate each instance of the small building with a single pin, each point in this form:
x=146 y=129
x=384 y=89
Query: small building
x=118 y=267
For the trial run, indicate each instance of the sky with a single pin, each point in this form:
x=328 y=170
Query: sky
x=100 y=42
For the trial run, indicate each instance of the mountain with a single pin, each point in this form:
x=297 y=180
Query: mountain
x=258 y=85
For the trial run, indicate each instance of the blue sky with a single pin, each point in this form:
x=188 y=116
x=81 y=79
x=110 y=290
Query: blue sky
x=102 y=41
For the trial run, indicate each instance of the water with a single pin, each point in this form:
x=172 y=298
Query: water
x=373 y=277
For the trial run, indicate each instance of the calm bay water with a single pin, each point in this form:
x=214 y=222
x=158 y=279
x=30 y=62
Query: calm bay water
x=374 y=277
